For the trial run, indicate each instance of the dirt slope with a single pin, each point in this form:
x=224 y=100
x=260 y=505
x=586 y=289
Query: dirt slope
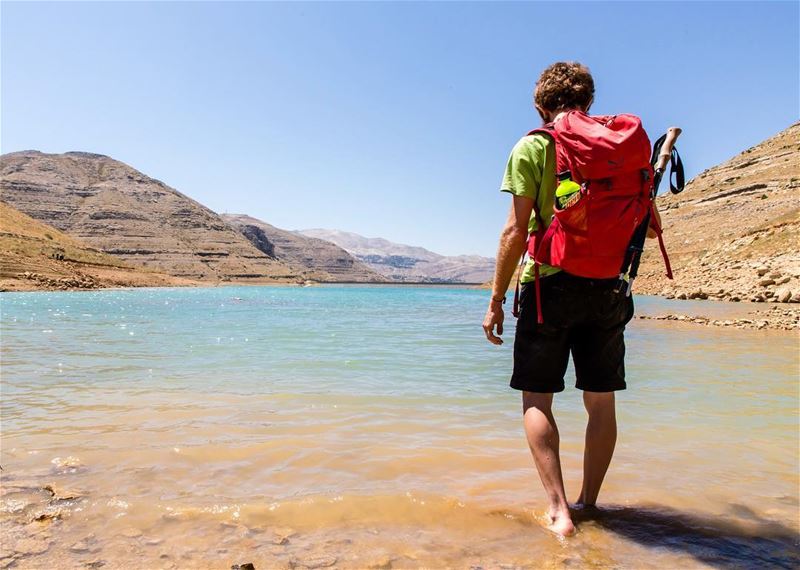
x=36 y=256
x=734 y=232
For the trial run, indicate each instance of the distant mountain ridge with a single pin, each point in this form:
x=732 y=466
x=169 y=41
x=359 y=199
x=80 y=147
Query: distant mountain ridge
x=317 y=259
x=407 y=263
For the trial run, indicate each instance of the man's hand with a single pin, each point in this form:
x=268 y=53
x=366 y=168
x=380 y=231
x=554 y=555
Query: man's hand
x=494 y=318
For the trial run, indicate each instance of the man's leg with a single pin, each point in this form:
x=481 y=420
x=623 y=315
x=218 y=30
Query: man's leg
x=601 y=437
x=542 y=433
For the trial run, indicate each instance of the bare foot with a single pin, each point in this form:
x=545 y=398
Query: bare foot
x=561 y=524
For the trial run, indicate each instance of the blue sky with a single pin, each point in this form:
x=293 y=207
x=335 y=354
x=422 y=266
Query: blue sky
x=386 y=119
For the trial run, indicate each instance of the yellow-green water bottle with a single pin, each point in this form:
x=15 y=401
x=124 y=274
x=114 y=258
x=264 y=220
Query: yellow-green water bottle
x=568 y=192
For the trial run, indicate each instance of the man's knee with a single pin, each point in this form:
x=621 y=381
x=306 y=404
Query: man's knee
x=599 y=403
x=540 y=401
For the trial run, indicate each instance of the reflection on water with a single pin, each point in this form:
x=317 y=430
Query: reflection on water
x=371 y=427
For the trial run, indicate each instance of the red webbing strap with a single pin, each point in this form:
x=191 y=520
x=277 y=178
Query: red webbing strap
x=515 y=308
x=659 y=233
x=537 y=243
x=536 y=238
x=664 y=255
x=539 y=316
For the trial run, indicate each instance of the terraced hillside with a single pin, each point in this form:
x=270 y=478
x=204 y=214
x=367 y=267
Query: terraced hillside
x=36 y=256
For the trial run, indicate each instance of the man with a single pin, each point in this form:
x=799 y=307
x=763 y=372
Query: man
x=585 y=317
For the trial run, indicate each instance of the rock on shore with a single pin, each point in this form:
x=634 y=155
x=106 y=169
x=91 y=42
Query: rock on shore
x=775 y=317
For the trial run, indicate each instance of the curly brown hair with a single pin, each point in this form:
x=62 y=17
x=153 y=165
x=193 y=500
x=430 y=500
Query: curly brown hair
x=564 y=85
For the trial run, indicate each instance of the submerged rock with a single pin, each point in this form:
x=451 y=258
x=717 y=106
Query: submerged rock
x=131 y=533
x=88 y=544
x=384 y=563
x=314 y=562
x=31 y=546
x=67 y=464
x=281 y=535
x=47 y=515
x=61 y=494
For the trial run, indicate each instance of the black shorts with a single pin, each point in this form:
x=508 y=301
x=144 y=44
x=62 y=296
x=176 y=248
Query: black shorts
x=582 y=316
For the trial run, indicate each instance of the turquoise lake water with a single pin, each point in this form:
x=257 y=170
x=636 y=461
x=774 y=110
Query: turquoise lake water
x=377 y=422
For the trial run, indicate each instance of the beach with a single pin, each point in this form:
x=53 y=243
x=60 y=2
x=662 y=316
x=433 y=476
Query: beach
x=372 y=427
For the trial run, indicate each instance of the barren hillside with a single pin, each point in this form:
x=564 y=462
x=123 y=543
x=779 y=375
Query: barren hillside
x=734 y=232
x=117 y=209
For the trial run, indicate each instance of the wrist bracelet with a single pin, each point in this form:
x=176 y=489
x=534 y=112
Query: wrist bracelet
x=503 y=300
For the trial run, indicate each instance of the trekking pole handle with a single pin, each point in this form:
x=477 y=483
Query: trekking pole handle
x=666 y=149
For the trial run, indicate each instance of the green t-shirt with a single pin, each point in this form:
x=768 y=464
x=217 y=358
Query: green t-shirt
x=531 y=172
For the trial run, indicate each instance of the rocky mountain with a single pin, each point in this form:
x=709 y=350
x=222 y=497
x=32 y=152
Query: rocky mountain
x=117 y=209
x=36 y=256
x=408 y=263
x=734 y=232
x=316 y=259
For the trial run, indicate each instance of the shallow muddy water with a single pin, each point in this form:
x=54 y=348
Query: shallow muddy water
x=359 y=427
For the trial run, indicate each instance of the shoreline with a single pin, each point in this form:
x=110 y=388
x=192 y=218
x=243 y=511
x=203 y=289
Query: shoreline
x=753 y=316
x=775 y=318
x=31 y=286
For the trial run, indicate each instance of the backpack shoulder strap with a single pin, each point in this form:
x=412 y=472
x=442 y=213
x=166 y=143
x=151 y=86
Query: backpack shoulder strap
x=533 y=240
x=547 y=130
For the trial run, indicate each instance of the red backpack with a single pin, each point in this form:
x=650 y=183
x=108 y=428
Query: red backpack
x=609 y=157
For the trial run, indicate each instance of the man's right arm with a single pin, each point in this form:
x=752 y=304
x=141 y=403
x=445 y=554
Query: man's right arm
x=513 y=240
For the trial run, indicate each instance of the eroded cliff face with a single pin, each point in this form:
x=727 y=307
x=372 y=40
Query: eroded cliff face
x=315 y=258
x=117 y=209
x=735 y=230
